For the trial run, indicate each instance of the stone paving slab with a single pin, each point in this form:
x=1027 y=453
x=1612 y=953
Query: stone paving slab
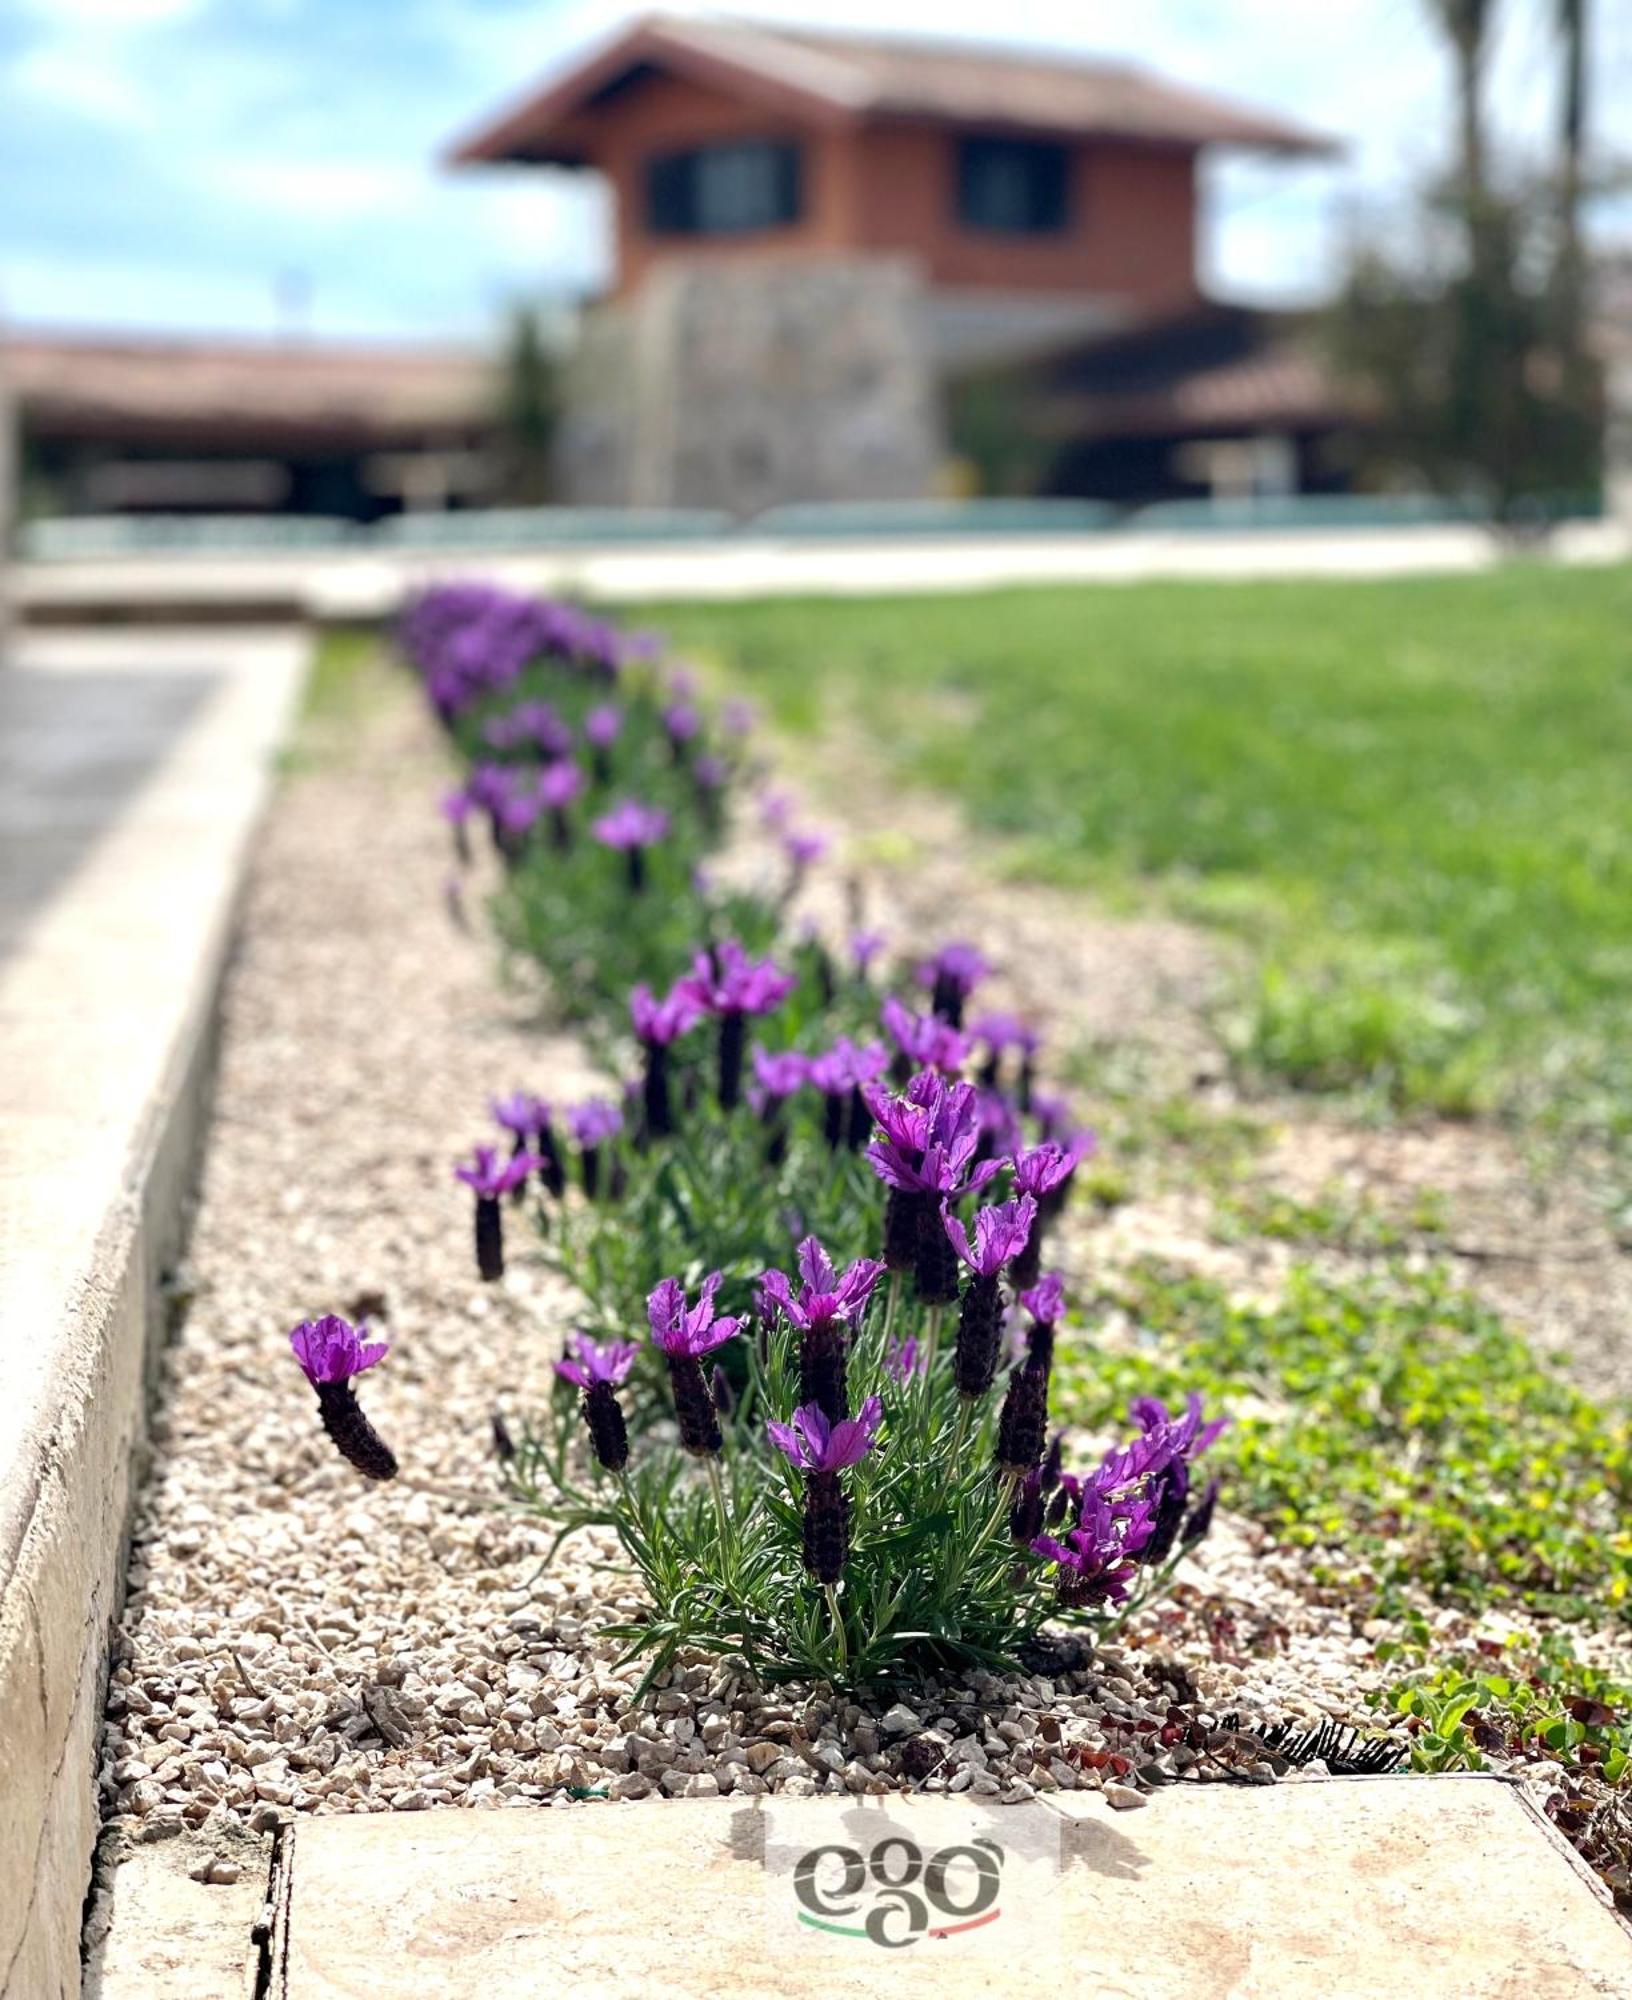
x=132 y=772
x=1414 y=1889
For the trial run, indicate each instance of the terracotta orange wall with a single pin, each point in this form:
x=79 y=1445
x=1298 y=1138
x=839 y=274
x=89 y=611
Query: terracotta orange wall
x=1131 y=227
x=892 y=188
x=665 y=114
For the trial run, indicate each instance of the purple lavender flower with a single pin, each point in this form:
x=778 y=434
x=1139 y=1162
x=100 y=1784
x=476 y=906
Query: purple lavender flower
x=489 y=1178
x=1045 y=1301
x=1095 y=1563
x=822 y=1450
x=732 y=986
x=629 y=829
x=924 y=1041
x=659 y=1024
x=864 y=948
x=775 y=810
x=1046 y=1172
x=998 y=1230
x=594 y=1125
x=803 y=850
x=1000 y=1033
x=685 y=1334
x=710 y=771
x=776 y=1076
x=597 y=1371
x=602 y=726
x=530 y=1122
x=811 y=1443
x=331 y=1352
x=839 y=1073
x=951 y=976
x=823 y=1311
x=905 y=1359
x=926 y=1156
x=681 y=723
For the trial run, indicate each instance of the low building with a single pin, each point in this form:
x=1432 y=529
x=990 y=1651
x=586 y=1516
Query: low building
x=136 y=425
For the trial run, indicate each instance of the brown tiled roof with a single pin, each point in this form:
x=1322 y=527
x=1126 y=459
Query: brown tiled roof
x=837 y=78
x=277 y=392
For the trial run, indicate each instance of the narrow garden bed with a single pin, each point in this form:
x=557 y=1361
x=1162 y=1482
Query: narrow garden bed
x=299 y=1639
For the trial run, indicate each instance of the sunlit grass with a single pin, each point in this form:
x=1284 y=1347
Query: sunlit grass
x=1408 y=797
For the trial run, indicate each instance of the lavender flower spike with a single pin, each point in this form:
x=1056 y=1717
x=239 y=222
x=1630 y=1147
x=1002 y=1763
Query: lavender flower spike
x=630 y=828
x=980 y=1324
x=489 y=1178
x=594 y=1124
x=331 y=1351
x=597 y=1371
x=822 y=1451
x=951 y=976
x=659 y=1024
x=823 y=1311
x=733 y=986
x=685 y=1334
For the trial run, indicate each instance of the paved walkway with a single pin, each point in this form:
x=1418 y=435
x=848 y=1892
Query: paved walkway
x=132 y=770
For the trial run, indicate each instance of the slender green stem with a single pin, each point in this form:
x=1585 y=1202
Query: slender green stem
x=727 y=1540
x=838 y=1626
x=892 y=1299
x=932 y=1333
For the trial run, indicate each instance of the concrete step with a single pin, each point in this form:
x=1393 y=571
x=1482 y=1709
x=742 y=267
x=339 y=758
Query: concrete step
x=1346 y=1889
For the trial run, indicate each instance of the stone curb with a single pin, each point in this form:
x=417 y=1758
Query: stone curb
x=107 y=1039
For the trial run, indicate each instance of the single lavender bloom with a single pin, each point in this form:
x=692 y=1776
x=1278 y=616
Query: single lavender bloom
x=594 y=1125
x=925 y=1156
x=659 y=1024
x=924 y=1042
x=864 y=948
x=823 y=1311
x=732 y=987
x=839 y=1074
x=775 y=810
x=710 y=771
x=1095 y=1563
x=1046 y=1172
x=685 y=1334
x=331 y=1352
x=776 y=1076
x=681 y=723
x=528 y=1119
x=803 y=850
x=822 y=1450
x=602 y=726
x=629 y=829
x=980 y=1323
x=905 y=1359
x=951 y=976
x=1000 y=1033
x=597 y=1371
x=490 y=1178
x=1045 y=1301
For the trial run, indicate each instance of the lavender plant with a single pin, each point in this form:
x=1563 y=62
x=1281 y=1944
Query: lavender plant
x=800 y=1464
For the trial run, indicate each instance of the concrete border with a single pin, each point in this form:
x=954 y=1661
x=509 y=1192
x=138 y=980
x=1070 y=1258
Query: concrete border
x=107 y=1043
x=367 y=586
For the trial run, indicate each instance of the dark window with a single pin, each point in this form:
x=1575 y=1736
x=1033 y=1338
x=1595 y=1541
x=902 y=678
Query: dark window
x=723 y=190
x=1015 y=186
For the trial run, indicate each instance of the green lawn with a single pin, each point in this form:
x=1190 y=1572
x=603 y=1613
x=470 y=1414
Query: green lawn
x=1410 y=798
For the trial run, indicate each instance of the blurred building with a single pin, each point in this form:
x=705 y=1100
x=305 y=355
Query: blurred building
x=816 y=234
x=136 y=425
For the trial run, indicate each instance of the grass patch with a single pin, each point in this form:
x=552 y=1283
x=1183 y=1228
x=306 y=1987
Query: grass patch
x=1408 y=798
x=1395 y=1425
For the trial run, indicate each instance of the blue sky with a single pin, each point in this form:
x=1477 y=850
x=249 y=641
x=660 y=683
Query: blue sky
x=186 y=163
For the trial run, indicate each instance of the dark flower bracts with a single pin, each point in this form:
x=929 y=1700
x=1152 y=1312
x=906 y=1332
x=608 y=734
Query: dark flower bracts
x=684 y=1334
x=333 y=1353
x=822 y=1450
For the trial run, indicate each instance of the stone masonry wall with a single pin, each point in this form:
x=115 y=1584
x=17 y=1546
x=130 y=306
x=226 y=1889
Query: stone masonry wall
x=747 y=386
